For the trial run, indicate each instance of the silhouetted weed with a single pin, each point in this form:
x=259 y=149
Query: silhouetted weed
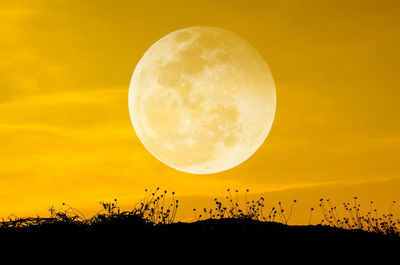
x=156 y=209
x=354 y=219
x=153 y=209
x=252 y=210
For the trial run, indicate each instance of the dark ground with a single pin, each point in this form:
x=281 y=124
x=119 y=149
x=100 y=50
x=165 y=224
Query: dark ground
x=227 y=241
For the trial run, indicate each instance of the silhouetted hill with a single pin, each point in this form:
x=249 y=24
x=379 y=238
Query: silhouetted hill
x=223 y=241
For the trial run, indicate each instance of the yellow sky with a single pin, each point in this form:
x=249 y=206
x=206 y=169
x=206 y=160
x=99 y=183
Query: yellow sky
x=66 y=134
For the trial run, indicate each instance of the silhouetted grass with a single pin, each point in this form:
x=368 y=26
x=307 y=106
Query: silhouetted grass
x=352 y=218
x=156 y=209
x=252 y=210
x=228 y=233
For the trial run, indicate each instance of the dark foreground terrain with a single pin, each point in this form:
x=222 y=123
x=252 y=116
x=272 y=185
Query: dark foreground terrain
x=224 y=241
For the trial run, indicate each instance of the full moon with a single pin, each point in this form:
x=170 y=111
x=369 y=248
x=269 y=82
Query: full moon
x=202 y=100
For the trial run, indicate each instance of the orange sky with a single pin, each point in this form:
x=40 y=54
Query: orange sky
x=66 y=134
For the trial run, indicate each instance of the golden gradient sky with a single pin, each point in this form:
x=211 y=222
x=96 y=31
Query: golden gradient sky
x=66 y=134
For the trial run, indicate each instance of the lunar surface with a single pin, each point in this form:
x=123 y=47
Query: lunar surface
x=202 y=100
